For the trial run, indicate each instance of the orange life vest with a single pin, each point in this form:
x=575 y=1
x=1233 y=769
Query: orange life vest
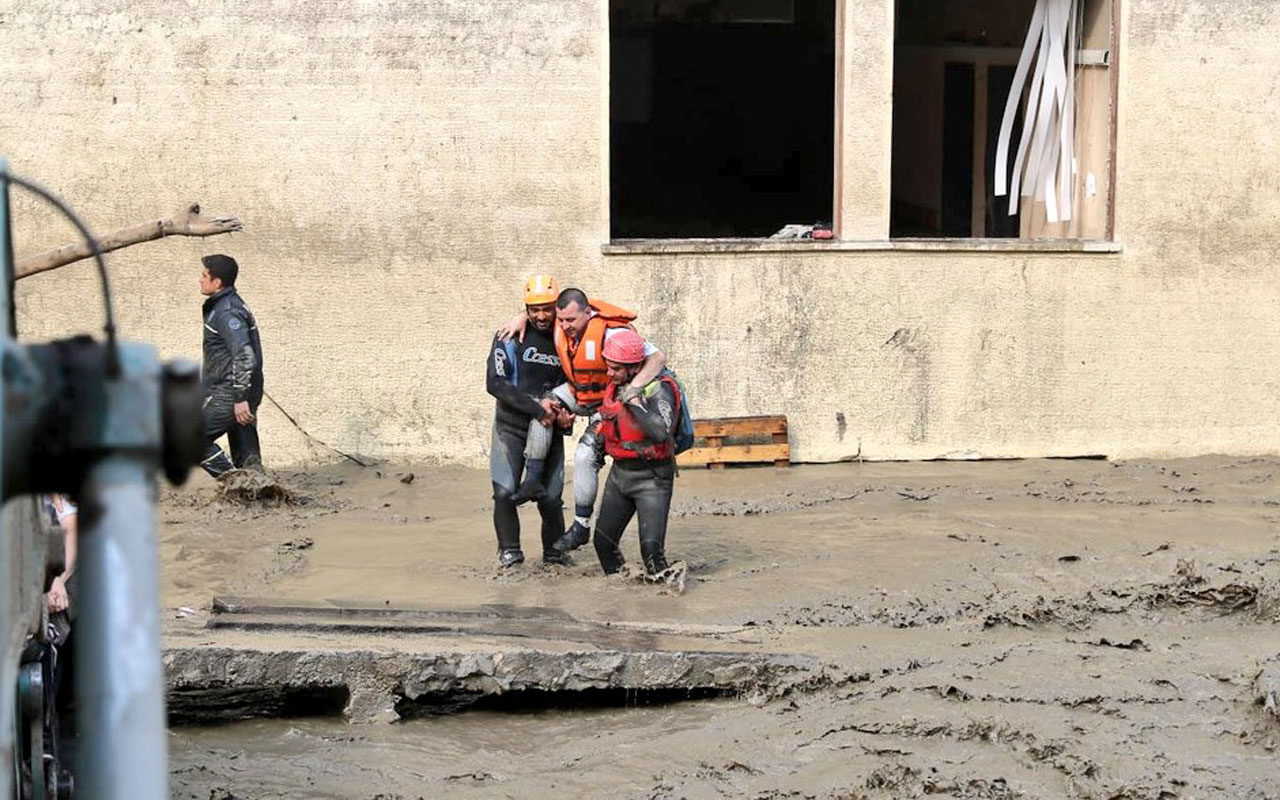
x=624 y=439
x=583 y=360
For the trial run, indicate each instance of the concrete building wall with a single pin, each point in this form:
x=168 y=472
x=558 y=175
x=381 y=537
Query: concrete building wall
x=399 y=168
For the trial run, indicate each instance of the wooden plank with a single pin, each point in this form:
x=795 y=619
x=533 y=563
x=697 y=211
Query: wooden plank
x=739 y=426
x=781 y=438
x=734 y=454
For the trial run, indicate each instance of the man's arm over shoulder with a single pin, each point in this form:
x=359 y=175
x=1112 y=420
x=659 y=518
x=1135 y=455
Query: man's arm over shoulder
x=655 y=411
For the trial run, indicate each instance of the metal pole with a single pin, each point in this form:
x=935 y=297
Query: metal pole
x=120 y=684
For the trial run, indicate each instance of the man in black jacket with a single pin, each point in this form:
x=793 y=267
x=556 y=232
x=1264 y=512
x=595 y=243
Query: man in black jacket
x=519 y=375
x=232 y=372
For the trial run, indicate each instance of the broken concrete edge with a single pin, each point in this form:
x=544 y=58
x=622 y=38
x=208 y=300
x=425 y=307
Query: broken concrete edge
x=1266 y=685
x=375 y=681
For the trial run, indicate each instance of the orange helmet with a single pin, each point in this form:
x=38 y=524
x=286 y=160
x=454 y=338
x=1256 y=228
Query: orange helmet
x=540 y=289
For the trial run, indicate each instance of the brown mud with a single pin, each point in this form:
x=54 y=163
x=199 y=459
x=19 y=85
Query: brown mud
x=1038 y=629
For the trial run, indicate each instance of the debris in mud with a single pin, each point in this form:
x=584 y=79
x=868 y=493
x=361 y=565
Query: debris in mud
x=917 y=496
x=249 y=487
x=1132 y=644
x=1267 y=685
x=670 y=580
x=293 y=545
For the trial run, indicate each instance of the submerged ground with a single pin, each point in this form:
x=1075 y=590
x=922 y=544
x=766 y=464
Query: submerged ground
x=1039 y=629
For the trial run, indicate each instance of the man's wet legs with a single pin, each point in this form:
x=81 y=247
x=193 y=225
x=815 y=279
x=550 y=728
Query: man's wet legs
x=616 y=510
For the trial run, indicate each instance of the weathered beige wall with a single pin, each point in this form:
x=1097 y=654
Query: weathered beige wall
x=400 y=166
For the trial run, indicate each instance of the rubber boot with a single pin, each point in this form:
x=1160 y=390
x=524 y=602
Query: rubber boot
x=217 y=464
x=575 y=537
x=611 y=559
x=509 y=558
x=655 y=559
x=656 y=563
x=531 y=487
x=555 y=557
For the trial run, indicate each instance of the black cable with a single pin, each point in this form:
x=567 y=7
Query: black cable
x=303 y=431
x=113 y=350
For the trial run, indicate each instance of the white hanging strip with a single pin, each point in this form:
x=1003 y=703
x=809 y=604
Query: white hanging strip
x=1044 y=167
x=1015 y=97
x=1066 y=163
x=1035 y=100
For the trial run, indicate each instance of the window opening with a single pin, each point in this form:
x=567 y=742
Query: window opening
x=721 y=116
x=954 y=68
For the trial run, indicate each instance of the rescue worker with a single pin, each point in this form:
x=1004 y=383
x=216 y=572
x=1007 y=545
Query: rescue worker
x=639 y=435
x=232 y=371
x=583 y=326
x=519 y=375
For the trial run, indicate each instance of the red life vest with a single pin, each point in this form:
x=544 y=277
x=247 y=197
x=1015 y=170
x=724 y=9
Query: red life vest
x=624 y=439
x=583 y=360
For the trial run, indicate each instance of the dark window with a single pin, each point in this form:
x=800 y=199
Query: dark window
x=721 y=116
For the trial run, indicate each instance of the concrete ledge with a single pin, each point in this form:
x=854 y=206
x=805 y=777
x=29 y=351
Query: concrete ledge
x=622 y=247
x=214 y=682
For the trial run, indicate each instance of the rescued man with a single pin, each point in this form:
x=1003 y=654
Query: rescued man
x=519 y=375
x=639 y=435
x=582 y=328
x=232 y=371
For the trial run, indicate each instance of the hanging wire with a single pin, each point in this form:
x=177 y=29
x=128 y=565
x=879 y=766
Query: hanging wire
x=113 y=349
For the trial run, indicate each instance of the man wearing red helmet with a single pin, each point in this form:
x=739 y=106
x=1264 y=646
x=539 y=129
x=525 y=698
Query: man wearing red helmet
x=639 y=435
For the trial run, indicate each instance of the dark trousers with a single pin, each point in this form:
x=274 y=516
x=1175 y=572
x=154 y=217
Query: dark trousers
x=506 y=463
x=635 y=489
x=219 y=417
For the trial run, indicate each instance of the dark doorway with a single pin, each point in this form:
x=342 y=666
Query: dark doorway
x=957 y=150
x=721 y=116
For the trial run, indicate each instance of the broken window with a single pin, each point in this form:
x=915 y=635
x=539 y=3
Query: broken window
x=721 y=116
x=955 y=64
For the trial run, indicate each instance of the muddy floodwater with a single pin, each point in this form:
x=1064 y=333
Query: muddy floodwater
x=1035 y=629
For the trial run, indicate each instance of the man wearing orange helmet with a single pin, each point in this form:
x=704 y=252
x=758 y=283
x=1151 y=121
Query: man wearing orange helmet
x=639 y=435
x=519 y=375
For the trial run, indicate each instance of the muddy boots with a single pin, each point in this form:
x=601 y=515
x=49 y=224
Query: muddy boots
x=215 y=462
x=510 y=558
x=609 y=553
x=531 y=487
x=655 y=560
x=575 y=537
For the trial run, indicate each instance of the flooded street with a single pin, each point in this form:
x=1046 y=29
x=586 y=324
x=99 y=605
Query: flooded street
x=1074 y=629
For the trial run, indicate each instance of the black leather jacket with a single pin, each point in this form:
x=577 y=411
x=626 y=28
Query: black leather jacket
x=232 y=350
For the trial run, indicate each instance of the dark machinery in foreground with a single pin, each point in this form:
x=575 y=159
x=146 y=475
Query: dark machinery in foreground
x=95 y=420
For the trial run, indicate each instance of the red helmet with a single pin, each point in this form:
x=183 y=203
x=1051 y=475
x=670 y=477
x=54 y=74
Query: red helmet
x=624 y=347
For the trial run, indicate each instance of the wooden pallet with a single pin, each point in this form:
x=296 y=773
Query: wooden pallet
x=718 y=442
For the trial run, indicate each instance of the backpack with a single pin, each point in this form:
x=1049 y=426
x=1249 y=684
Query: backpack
x=684 y=431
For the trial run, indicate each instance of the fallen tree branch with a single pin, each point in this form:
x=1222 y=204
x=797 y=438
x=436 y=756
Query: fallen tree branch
x=186 y=221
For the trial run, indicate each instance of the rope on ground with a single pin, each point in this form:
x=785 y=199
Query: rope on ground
x=303 y=431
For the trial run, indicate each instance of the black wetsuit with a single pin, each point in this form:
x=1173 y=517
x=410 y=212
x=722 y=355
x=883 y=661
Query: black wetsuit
x=518 y=374
x=639 y=487
x=232 y=373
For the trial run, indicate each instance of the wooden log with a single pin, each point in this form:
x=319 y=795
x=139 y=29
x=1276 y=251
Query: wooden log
x=186 y=221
